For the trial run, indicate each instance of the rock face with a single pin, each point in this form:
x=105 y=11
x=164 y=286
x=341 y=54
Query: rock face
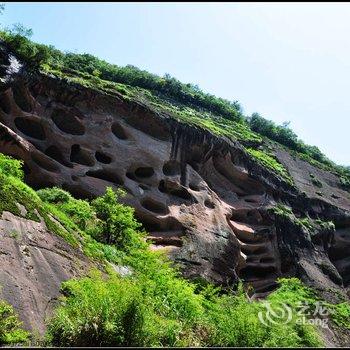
x=201 y=197
x=34 y=262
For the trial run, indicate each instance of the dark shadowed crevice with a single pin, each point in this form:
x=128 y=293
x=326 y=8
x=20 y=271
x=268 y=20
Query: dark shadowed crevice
x=67 y=123
x=80 y=156
x=177 y=191
x=5 y=104
x=194 y=187
x=45 y=163
x=144 y=172
x=30 y=127
x=20 y=97
x=171 y=168
x=154 y=206
x=119 y=131
x=55 y=153
x=209 y=204
x=131 y=176
x=102 y=158
x=106 y=176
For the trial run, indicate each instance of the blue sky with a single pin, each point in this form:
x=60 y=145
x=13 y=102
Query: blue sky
x=287 y=61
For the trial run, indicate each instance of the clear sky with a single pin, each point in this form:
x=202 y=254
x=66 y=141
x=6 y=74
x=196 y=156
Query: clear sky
x=286 y=61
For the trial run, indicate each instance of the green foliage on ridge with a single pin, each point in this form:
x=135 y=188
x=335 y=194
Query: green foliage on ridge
x=271 y=163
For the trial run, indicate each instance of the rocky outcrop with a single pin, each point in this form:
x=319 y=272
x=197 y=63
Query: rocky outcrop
x=34 y=262
x=200 y=197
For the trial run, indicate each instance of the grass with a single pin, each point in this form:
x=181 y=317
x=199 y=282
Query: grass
x=271 y=163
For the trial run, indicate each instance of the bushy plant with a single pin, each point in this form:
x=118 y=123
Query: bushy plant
x=345 y=182
x=116 y=223
x=237 y=322
x=98 y=312
x=54 y=195
x=11 y=332
x=11 y=166
x=341 y=314
x=78 y=210
x=270 y=162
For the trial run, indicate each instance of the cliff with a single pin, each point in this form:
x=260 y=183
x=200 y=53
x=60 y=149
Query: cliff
x=218 y=209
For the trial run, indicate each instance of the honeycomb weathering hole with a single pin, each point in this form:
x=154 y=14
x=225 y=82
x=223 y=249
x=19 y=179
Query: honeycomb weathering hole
x=30 y=127
x=67 y=123
x=209 y=204
x=154 y=206
x=106 y=176
x=20 y=97
x=119 y=131
x=5 y=103
x=45 y=163
x=80 y=156
x=55 y=153
x=102 y=158
x=171 y=168
x=177 y=190
x=194 y=187
x=144 y=172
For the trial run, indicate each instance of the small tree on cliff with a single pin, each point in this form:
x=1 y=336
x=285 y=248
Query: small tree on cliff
x=116 y=224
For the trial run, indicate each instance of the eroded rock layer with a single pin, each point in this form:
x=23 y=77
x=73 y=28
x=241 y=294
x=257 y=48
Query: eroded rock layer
x=201 y=197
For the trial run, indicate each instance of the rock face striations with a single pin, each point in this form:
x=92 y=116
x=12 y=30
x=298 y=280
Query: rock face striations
x=201 y=197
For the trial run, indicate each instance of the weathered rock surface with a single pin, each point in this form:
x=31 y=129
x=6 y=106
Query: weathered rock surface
x=34 y=262
x=199 y=196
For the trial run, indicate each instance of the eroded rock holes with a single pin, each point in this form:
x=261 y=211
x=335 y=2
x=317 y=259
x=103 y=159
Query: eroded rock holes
x=30 y=127
x=67 y=122
x=81 y=156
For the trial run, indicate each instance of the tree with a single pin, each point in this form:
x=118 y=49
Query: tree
x=116 y=224
x=21 y=30
x=285 y=124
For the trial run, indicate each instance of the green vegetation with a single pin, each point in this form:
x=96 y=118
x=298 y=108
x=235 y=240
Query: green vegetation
x=117 y=311
x=285 y=136
x=10 y=166
x=154 y=305
x=271 y=163
x=116 y=223
x=345 y=183
x=305 y=222
x=341 y=314
x=11 y=332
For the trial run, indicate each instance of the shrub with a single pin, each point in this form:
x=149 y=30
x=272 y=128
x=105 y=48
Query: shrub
x=98 y=312
x=79 y=211
x=270 y=162
x=116 y=223
x=341 y=314
x=345 y=182
x=54 y=195
x=237 y=324
x=10 y=327
x=11 y=166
